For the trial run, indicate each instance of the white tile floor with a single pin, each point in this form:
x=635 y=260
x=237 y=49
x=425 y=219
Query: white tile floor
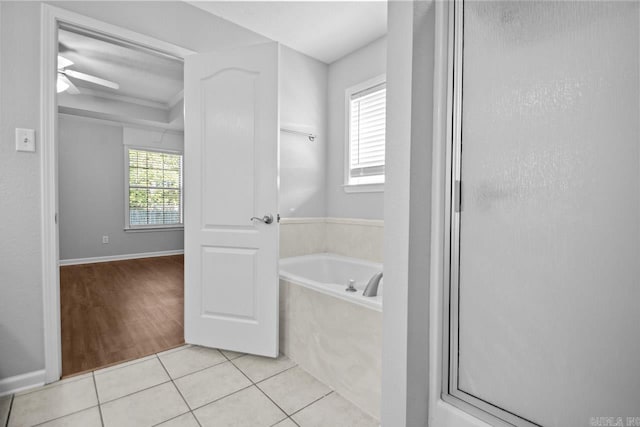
x=187 y=386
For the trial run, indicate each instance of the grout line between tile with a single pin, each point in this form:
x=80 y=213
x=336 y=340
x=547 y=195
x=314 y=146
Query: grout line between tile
x=172 y=418
x=196 y=418
x=220 y=398
x=95 y=387
x=172 y=382
x=194 y=372
x=276 y=374
x=126 y=364
x=230 y=359
x=133 y=392
x=13 y=396
x=261 y=391
x=65 y=415
x=178 y=390
x=172 y=350
x=278 y=422
x=55 y=383
x=306 y=406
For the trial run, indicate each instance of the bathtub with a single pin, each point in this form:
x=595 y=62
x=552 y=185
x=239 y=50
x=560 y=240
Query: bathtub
x=334 y=335
x=330 y=274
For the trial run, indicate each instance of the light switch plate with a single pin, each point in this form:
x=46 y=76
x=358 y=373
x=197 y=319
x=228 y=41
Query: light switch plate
x=25 y=140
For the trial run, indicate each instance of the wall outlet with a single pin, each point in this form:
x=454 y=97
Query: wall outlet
x=105 y=239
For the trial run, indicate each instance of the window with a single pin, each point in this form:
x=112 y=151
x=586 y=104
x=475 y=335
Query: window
x=154 y=184
x=366 y=113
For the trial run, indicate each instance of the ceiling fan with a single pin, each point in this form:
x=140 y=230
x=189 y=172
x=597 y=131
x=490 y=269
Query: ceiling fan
x=64 y=83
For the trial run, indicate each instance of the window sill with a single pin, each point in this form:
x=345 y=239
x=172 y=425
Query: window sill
x=363 y=188
x=149 y=229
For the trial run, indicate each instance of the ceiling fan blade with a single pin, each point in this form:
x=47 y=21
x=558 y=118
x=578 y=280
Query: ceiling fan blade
x=72 y=89
x=63 y=62
x=62 y=48
x=91 y=79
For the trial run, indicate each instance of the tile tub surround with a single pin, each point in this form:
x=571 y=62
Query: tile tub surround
x=356 y=238
x=187 y=386
x=336 y=341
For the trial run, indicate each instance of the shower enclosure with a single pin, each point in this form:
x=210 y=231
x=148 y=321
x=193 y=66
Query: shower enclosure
x=544 y=280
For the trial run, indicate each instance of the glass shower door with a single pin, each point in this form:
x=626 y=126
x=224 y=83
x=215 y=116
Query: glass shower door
x=548 y=271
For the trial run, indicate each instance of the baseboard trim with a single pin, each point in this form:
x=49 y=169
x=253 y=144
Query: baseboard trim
x=78 y=261
x=21 y=382
x=333 y=220
x=355 y=221
x=302 y=220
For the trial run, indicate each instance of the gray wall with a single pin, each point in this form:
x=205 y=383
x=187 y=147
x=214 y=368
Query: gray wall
x=21 y=329
x=92 y=194
x=361 y=65
x=21 y=340
x=303 y=102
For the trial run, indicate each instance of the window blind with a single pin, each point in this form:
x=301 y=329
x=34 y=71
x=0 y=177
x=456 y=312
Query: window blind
x=155 y=188
x=367 y=132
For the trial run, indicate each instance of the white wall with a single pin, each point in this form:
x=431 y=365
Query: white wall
x=303 y=101
x=21 y=328
x=92 y=194
x=407 y=203
x=361 y=65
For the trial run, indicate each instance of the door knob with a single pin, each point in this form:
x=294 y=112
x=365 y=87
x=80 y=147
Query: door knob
x=267 y=219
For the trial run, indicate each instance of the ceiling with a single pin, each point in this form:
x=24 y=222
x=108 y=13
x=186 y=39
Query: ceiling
x=326 y=30
x=151 y=83
x=140 y=73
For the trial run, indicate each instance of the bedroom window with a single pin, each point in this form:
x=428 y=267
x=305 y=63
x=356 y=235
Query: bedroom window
x=366 y=126
x=154 y=189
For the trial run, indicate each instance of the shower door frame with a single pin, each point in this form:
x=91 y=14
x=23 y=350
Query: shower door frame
x=451 y=393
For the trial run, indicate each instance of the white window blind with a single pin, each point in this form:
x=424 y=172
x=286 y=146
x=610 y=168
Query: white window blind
x=367 y=112
x=155 y=188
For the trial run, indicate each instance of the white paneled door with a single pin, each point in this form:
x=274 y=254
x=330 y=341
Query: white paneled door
x=231 y=175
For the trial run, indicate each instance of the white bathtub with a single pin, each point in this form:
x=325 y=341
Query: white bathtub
x=330 y=274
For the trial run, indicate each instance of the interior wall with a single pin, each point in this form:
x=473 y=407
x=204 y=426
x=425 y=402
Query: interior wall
x=357 y=67
x=21 y=339
x=21 y=316
x=92 y=194
x=303 y=101
x=407 y=200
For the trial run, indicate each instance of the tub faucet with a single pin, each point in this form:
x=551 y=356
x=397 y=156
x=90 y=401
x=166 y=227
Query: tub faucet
x=372 y=287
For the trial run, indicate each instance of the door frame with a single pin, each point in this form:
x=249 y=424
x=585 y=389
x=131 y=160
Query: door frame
x=51 y=17
x=442 y=409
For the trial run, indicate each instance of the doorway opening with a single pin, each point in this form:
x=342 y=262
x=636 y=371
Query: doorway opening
x=120 y=141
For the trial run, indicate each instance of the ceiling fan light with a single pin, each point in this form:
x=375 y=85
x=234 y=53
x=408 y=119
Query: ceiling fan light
x=61 y=85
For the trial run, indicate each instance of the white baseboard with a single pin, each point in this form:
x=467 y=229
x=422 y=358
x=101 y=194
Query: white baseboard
x=355 y=221
x=21 y=382
x=109 y=258
x=333 y=220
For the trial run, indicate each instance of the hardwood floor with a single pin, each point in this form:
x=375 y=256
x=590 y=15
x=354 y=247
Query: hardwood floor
x=122 y=310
